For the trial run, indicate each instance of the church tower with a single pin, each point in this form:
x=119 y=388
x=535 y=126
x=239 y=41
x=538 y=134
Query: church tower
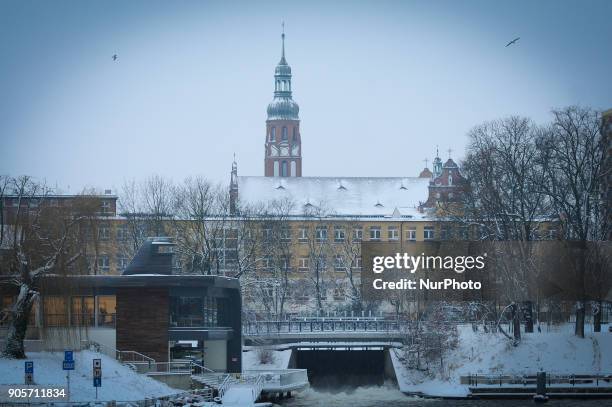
x=283 y=155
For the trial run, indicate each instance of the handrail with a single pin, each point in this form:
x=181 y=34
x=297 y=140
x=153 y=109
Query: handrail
x=192 y=363
x=224 y=385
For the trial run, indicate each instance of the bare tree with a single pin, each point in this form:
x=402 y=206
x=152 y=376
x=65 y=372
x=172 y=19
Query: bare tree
x=505 y=202
x=45 y=241
x=572 y=153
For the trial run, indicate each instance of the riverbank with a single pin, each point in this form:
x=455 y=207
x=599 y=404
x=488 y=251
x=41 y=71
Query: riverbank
x=555 y=350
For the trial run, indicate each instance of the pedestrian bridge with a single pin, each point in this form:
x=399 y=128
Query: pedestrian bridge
x=327 y=332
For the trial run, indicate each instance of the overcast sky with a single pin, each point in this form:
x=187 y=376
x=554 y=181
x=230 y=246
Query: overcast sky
x=379 y=84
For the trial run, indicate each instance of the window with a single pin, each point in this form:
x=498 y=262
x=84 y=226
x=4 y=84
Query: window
x=267 y=233
x=266 y=263
x=122 y=263
x=411 y=234
x=356 y=263
x=106 y=206
x=286 y=233
x=104 y=231
x=339 y=234
x=55 y=312
x=464 y=233
x=273 y=134
x=107 y=306
x=392 y=233
x=303 y=234
x=284 y=170
x=551 y=233
x=286 y=263
x=445 y=233
x=358 y=234
x=428 y=233
x=321 y=263
x=284 y=134
x=321 y=233
x=374 y=232
x=294 y=134
x=339 y=263
x=122 y=232
x=82 y=311
x=303 y=263
x=450 y=179
x=103 y=264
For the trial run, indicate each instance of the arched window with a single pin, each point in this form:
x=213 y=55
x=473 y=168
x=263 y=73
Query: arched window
x=273 y=134
x=284 y=136
x=294 y=137
x=276 y=168
x=284 y=169
x=293 y=169
x=450 y=179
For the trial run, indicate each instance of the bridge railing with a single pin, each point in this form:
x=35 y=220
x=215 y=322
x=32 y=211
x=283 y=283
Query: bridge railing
x=321 y=325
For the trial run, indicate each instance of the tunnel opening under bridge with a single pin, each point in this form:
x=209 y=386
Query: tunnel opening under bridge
x=335 y=369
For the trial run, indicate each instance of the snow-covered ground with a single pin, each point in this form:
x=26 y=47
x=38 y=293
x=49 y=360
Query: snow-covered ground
x=280 y=360
x=556 y=352
x=118 y=381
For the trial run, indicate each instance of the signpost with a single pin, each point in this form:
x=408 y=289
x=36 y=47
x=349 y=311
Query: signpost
x=29 y=372
x=68 y=365
x=97 y=374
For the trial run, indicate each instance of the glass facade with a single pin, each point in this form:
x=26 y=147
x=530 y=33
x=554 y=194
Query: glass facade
x=196 y=312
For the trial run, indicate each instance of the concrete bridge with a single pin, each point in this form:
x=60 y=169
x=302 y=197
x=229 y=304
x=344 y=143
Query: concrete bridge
x=327 y=332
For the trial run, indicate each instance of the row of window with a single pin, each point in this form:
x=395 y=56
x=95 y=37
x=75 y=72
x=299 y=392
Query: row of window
x=340 y=263
x=284 y=134
x=321 y=233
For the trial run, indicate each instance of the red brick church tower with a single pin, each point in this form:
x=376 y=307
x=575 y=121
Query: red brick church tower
x=283 y=155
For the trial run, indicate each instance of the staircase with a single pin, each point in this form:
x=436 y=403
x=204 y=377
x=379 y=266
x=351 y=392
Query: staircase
x=210 y=380
x=242 y=392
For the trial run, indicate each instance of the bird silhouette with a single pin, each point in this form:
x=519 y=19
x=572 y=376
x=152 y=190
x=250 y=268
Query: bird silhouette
x=513 y=41
x=115 y=57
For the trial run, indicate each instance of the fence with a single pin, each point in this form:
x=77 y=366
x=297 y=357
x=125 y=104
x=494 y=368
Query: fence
x=604 y=380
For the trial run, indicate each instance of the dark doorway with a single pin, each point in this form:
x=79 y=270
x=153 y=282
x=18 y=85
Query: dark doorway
x=335 y=369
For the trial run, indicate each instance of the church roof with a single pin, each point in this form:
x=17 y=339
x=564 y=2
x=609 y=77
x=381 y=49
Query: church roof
x=426 y=173
x=339 y=196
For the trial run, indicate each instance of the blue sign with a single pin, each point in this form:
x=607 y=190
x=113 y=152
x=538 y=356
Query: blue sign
x=68 y=365
x=29 y=367
x=97 y=382
x=68 y=356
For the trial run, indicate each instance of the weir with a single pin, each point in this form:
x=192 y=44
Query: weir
x=334 y=369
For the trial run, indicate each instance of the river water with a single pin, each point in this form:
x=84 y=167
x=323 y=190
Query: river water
x=390 y=396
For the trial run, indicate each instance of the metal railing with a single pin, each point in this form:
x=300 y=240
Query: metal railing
x=124 y=356
x=475 y=380
x=279 y=379
x=321 y=325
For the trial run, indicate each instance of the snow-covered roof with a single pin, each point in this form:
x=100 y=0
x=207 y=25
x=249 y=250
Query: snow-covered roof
x=340 y=196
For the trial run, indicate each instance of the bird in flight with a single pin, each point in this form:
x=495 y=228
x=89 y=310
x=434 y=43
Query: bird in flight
x=513 y=41
x=115 y=57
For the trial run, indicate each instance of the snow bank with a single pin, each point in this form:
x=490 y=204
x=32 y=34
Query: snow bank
x=280 y=360
x=558 y=352
x=118 y=381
